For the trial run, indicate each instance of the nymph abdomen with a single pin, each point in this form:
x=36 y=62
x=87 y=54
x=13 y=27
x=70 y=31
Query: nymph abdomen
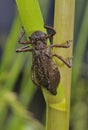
x=46 y=73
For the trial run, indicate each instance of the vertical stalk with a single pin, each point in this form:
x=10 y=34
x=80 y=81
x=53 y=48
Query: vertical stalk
x=58 y=106
x=64 y=24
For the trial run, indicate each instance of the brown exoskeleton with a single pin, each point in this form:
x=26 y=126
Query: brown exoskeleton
x=44 y=71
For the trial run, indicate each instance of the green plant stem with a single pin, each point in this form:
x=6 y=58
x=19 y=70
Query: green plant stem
x=31 y=19
x=30 y=15
x=58 y=106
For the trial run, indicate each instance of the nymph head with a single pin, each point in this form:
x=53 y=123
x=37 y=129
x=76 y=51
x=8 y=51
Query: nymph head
x=38 y=39
x=37 y=36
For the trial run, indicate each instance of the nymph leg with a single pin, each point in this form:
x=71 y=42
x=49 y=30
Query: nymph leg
x=64 y=45
x=67 y=63
x=52 y=29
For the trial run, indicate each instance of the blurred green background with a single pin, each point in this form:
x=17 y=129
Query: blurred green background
x=22 y=106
